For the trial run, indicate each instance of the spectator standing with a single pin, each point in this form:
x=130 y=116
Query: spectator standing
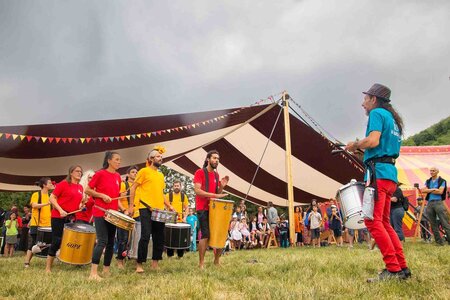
x=336 y=225
x=436 y=189
x=272 y=215
x=315 y=219
x=193 y=221
x=298 y=219
x=397 y=212
x=12 y=230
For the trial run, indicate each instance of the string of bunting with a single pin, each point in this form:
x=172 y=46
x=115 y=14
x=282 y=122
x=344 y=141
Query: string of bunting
x=82 y=140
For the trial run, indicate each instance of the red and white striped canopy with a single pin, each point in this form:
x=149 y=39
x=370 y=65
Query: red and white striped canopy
x=240 y=135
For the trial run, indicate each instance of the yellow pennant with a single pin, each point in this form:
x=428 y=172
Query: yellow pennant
x=43 y=139
x=22 y=137
x=15 y=136
x=82 y=140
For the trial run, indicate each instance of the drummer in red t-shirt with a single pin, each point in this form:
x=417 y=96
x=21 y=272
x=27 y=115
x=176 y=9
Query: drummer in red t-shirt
x=203 y=194
x=65 y=198
x=105 y=189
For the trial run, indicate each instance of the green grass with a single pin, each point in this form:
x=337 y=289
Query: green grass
x=294 y=273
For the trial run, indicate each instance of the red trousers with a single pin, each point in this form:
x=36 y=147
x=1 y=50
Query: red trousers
x=381 y=230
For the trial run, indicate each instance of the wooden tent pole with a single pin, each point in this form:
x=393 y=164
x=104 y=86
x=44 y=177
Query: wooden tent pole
x=417 y=233
x=290 y=186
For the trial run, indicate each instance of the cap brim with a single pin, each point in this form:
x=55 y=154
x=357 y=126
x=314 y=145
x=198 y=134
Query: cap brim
x=387 y=100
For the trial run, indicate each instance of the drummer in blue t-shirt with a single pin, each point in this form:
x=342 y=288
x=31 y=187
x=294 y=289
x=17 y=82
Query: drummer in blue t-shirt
x=382 y=147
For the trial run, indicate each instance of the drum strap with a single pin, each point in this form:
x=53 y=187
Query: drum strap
x=171 y=197
x=146 y=205
x=373 y=174
x=205 y=171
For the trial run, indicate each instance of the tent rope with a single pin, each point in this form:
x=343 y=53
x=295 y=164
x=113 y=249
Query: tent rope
x=264 y=152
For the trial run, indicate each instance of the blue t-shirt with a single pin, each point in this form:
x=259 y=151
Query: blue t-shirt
x=191 y=221
x=434 y=185
x=390 y=140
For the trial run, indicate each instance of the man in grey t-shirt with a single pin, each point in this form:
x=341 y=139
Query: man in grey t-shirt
x=272 y=215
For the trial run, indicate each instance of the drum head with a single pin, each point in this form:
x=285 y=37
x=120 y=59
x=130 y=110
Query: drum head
x=121 y=216
x=355 y=222
x=79 y=227
x=45 y=229
x=221 y=200
x=178 y=225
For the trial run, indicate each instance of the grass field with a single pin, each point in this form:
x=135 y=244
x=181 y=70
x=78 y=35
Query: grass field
x=295 y=273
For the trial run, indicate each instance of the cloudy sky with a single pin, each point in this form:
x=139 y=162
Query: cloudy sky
x=63 y=61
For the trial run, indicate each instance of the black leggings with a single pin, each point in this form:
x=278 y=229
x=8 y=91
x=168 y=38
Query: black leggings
x=105 y=238
x=122 y=240
x=156 y=229
x=57 y=233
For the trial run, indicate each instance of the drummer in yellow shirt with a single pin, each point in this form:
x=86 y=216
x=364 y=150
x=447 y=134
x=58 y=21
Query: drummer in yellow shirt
x=122 y=234
x=149 y=186
x=180 y=203
x=40 y=213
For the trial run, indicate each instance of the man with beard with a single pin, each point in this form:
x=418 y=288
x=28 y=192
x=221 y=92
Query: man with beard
x=382 y=147
x=149 y=185
x=203 y=193
x=180 y=204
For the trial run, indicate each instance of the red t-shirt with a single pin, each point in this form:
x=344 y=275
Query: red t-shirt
x=106 y=183
x=68 y=196
x=87 y=214
x=202 y=203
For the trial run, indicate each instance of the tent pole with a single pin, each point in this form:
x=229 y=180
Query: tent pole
x=290 y=186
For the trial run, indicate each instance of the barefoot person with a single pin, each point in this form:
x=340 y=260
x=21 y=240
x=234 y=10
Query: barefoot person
x=104 y=187
x=65 y=198
x=149 y=185
x=40 y=213
x=207 y=187
x=382 y=147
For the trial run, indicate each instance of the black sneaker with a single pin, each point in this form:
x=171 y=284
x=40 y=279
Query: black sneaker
x=407 y=272
x=387 y=275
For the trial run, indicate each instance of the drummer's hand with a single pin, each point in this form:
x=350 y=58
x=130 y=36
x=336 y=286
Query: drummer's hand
x=351 y=146
x=63 y=213
x=171 y=208
x=224 y=181
x=130 y=211
x=221 y=195
x=106 y=198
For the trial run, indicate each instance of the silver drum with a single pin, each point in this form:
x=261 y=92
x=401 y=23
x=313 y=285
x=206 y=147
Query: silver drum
x=350 y=197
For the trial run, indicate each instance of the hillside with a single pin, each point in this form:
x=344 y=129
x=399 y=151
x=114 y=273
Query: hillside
x=435 y=135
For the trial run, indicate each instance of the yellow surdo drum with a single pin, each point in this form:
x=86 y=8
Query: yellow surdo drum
x=77 y=244
x=219 y=219
x=119 y=219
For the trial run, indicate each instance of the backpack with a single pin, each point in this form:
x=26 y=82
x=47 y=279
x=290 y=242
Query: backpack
x=306 y=220
x=440 y=181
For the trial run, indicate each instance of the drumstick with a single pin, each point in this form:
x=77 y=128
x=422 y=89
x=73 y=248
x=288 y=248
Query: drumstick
x=76 y=211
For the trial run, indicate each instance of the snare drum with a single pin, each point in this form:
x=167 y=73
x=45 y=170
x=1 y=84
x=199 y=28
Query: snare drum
x=134 y=242
x=119 y=219
x=177 y=236
x=219 y=219
x=350 y=197
x=164 y=216
x=77 y=244
x=43 y=240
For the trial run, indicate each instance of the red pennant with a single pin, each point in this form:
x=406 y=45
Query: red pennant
x=88 y=140
x=29 y=137
x=50 y=139
x=159 y=132
x=7 y=135
x=144 y=134
x=122 y=137
x=70 y=140
x=105 y=139
x=57 y=140
x=64 y=140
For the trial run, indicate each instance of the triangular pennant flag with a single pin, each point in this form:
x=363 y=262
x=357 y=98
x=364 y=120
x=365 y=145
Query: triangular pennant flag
x=76 y=140
x=122 y=137
x=70 y=140
x=138 y=135
x=82 y=140
x=21 y=137
x=117 y=138
x=204 y=122
x=111 y=139
x=37 y=138
x=189 y=126
x=1 y=134
x=193 y=125
x=128 y=137
x=159 y=132
x=88 y=140
x=15 y=136
x=177 y=129
x=44 y=138
x=106 y=139
x=154 y=134
x=7 y=135
x=168 y=130
x=50 y=139
x=29 y=137
x=64 y=140
x=186 y=127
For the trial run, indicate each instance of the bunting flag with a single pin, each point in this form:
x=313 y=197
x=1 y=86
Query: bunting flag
x=409 y=219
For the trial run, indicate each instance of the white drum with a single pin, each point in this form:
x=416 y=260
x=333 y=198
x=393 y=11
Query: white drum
x=350 y=197
x=134 y=242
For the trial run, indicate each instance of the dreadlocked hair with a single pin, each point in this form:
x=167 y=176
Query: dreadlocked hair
x=388 y=106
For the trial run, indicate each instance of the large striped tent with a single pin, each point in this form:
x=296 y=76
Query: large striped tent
x=414 y=163
x=250 y=140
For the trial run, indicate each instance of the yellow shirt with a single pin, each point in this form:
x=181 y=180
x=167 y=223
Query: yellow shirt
x=177 y=204
x=124 y=200
x=45 y=212
x=150 y=188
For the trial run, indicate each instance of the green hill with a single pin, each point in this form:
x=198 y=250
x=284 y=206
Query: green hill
x=437 y=134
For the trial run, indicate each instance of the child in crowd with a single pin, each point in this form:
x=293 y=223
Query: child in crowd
x=236 y=235
x=255 y=234
x=12 y=230
x=193 y=221
x=336 y=225
x=283 y=229
x=315 y=219
x=245 y=233
x=264 y=228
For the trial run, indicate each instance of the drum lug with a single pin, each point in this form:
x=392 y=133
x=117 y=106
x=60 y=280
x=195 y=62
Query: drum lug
x=213 y=205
